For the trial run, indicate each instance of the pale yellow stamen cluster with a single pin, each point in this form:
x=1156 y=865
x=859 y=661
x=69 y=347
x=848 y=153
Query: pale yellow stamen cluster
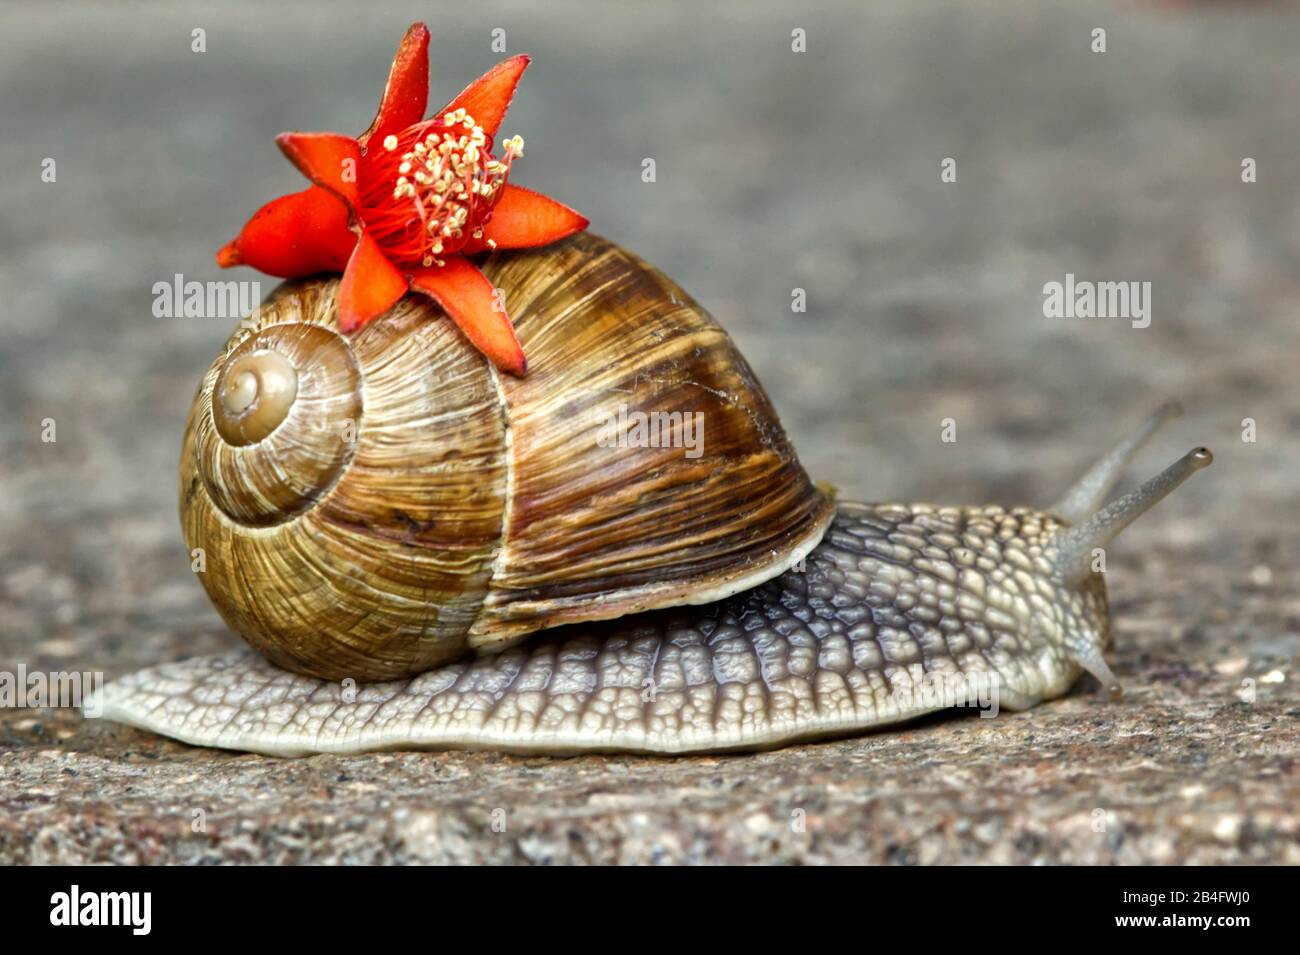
x=447 y=174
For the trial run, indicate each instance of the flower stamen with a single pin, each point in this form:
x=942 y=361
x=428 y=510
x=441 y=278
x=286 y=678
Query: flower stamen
x=433 y=188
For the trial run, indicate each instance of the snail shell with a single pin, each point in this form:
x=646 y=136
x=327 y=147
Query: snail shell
x=372 y=506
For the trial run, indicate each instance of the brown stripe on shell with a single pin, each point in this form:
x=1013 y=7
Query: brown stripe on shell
x=597 y=532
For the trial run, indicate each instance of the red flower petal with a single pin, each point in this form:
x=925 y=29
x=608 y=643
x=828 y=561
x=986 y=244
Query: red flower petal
x=295 y=235
x=327 y=159
x=468 y=297
x=407 y=93
x=523 y=219
x=489 y=96
x=371 y=284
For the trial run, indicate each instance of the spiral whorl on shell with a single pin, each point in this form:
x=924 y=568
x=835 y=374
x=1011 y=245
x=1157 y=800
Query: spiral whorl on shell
x=371 y=506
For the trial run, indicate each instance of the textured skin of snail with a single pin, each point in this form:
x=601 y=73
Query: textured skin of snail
x=901 y=610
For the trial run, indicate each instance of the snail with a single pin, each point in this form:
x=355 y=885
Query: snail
x=430 y=554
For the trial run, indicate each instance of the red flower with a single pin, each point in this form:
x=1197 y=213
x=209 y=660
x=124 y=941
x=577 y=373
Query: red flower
x=400 y=206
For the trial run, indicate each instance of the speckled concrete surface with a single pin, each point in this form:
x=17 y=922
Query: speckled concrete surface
x=925 y=302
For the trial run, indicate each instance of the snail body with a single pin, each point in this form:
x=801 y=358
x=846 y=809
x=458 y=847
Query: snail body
x=475 y=567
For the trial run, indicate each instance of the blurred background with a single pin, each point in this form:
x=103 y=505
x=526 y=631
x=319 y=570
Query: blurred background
x=775 y=170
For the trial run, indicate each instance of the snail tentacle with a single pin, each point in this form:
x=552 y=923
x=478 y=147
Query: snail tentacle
x=1090 y=490
x=1075 y=545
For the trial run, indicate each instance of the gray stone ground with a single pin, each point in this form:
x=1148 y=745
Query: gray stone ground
x=775 y=170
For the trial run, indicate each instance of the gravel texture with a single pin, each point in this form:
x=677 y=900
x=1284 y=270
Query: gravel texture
x=775 y=170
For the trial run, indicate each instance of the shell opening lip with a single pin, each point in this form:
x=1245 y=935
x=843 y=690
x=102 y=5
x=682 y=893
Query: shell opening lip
x=253 y=396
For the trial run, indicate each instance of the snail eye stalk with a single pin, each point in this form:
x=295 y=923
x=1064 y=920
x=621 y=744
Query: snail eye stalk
x=1075 y=544
x=1088 y=493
